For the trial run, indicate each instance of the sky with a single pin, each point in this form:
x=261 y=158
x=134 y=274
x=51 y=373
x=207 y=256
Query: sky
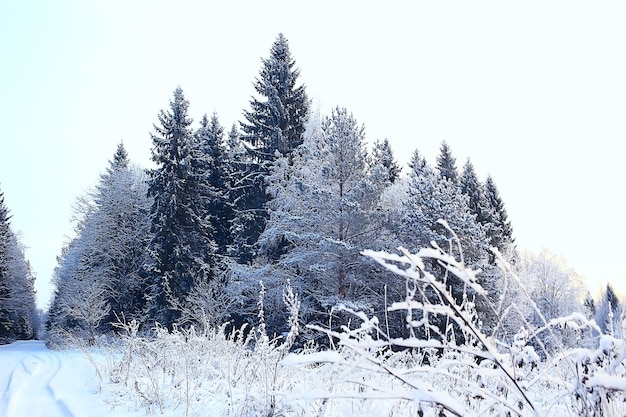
x=533 y=92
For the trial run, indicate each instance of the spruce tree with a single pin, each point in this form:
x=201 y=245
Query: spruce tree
x=276 y=121
x=446 y=163
x=499 y=230
x=5 y=235
x=210 y=136
x=609 y=312
x=22 y=297
x=383 y=155
x=18 y=315
x=472 y=187
x=181 y=250
x=274 y=124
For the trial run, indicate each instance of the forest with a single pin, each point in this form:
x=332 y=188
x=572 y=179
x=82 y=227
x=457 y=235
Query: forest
x=290 y=234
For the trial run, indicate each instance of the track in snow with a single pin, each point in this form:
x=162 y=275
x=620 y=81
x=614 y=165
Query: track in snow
x=25 y=380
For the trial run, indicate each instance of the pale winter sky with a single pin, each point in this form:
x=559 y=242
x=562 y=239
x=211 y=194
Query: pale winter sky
x=534 y=92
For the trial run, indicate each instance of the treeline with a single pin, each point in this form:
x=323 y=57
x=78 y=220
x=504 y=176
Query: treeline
x=19 y=317
x=286 y=195
x=213 y=233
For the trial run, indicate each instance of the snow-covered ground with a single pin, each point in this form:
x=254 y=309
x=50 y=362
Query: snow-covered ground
x=36 y=381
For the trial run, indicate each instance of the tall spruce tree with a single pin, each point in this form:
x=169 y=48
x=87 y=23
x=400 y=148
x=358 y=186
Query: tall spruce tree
x=446 y=163
x=182 y=250
x=274 y=124
x=210 y=136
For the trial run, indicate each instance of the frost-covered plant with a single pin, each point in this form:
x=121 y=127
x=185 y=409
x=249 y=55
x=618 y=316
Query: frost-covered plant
x=440 y=373
x=195 y=372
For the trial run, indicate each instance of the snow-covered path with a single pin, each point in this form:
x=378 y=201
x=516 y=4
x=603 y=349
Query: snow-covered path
x=28 y=373
x=36 y=381
x=27 y=376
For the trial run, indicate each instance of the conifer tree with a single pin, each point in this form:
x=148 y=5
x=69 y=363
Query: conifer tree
x=274 y=124
x=18 y=314
x=181 y=250
x=499 y=230
x=5 y=233
x=446 y=163
x=22 y=302
x=210 y=136
x=383 y=155
x=322 y=215
x=472 y=187
x=432 y=197
x=98 y=276
x=609 y=312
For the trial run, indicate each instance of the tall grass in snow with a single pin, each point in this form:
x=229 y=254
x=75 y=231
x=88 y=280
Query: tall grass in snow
x=465 y=370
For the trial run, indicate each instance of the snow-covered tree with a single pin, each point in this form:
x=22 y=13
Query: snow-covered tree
x=446 y=163
x=499 y=230
x=182 y=249
x=323 y=213
x=98 y=278
x=432 y=197
x=22 y=301
x=276 y=119
x=609 y=312
x=473 y=188
x=556 y=290
x=18 y=316
x=210 y=136
x=589 y=305
x=382 y=155
x=5 y=233
x=273 y=125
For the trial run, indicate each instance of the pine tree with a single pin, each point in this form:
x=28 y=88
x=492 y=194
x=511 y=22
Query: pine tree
x=446 y=163
x=383 y=155
x=274 y=124
x=182 y=249
x=432 y=197
x=121 y=224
